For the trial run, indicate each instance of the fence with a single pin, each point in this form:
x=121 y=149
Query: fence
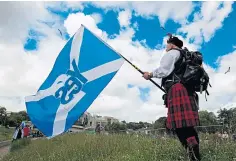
x=218 y=130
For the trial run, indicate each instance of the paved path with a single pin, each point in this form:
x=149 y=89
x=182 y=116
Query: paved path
x=4 y=150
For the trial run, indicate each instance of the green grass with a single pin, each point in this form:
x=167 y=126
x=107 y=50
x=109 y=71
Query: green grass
x=89 y=147
x=19 y=144
x=6 y=134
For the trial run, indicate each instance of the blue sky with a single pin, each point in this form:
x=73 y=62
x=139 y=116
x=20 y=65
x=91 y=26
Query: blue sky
x=223 y=41
x=149 y=29
x=31 y=42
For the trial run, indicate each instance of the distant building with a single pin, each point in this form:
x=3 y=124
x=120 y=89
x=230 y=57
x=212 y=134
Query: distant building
x=76 y=128
x=105 y=120
x=91 y=121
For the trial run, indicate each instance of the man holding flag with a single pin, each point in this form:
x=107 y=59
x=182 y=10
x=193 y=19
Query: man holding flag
x=180 y=100
x=81 y=71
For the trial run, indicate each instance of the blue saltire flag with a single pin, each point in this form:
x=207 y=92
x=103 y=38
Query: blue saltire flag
x=83 y=68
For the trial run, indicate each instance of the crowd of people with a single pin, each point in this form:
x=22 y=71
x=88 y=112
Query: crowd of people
x=24 y=131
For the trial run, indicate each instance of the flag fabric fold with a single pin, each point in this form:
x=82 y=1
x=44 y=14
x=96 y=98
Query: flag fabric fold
x=83 y=68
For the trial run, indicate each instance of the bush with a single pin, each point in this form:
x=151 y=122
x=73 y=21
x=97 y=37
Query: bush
x=6 y=134
x=19 y=144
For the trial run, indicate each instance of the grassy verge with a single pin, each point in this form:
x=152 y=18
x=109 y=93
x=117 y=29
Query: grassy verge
x=6 y=134
x=19 y=144
x=89 y=147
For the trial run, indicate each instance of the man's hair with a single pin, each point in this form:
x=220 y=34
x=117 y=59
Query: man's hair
x=176 y=41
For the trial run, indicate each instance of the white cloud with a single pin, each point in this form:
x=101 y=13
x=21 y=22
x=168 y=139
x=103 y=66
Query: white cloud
x=65 y=6
x=97 y=17
x=223 y=88
x=16 y=20
x=111 y=5
x=22 y=73
x=124 y=18
x=74 y=21
x=75 y=5
x=25 y=70
x=164 y=10
x=207 y=21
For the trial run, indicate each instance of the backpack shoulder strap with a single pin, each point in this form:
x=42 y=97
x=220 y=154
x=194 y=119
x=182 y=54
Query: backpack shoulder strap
x=181 y=52
x=181 y=57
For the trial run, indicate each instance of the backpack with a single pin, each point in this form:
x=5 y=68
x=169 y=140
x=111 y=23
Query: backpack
x=192 y=74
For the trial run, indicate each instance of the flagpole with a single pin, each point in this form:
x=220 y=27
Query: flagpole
x=125 y=59
x=142 y=73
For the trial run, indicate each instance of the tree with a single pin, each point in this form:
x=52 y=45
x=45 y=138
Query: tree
x=227 y=117
x=124 y=122
x=116 y=127
x=14 y=118
x=160 y=123
x=148 y=125
x=23 y=115
x=233 y=120
x=207 y=118
x=3 y=110
x=141 y=125
x=135 y=125
x=3 y=115
x=131 y=125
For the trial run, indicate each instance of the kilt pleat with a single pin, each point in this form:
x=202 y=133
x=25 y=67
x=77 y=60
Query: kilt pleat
x=182 y=108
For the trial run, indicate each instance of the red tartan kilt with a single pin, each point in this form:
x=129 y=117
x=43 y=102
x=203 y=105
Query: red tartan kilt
x=182 y=108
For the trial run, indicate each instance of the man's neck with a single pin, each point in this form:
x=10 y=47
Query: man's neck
x=173 y=48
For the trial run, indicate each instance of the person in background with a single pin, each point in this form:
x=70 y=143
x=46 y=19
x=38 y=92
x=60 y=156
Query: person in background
x=98 y=128
x=26 y=131
x=15 y=135
x=19 y=134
